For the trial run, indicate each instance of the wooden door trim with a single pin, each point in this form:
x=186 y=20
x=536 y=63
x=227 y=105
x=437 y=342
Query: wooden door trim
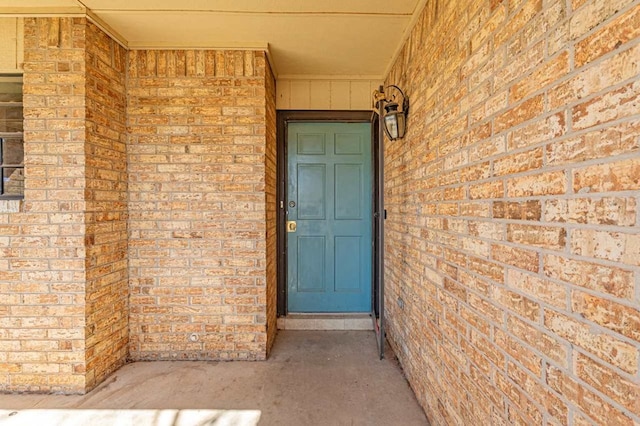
x=283 y=118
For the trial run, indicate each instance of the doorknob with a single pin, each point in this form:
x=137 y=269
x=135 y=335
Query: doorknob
x=291 y=226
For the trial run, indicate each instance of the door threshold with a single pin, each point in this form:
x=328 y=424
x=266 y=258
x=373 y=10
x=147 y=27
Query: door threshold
x=328 y=321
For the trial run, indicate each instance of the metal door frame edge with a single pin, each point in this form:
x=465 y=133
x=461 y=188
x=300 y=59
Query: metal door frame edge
x=283 y=118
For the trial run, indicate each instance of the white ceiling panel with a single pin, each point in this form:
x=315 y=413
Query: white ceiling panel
x=324 y=45
x=264 y=6
x=38 y=3
x=40 y=6
x=305 y=37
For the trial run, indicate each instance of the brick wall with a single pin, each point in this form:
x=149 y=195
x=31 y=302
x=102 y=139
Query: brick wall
x=201 y=147
x=512 y=236
x=42 y=274
x=198 y=233
x=271 y=184
x=63 y=275
x=107 y=286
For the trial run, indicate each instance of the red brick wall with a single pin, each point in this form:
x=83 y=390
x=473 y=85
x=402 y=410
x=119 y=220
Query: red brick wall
x=107 y=284
x=197 y=204
x=513 y=252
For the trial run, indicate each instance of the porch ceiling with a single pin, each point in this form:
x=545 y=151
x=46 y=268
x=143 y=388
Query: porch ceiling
x=306 y=38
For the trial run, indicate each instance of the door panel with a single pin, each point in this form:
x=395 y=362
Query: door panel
x=347 y=277
x=311 y=144
x=329 y=197
x=311 y=264
x=311 y=201
x=348 y=198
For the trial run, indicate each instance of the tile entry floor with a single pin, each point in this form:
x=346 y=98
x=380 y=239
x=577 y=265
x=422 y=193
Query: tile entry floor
x=311 y=378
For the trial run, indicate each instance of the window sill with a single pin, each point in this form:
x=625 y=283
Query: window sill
x=10 y=205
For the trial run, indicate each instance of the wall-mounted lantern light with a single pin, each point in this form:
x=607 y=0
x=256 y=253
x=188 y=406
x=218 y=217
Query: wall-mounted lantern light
x=395 y=121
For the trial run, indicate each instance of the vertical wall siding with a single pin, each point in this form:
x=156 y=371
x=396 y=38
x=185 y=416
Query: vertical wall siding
x=513 y=252
x=301 y=94
x=11 y=44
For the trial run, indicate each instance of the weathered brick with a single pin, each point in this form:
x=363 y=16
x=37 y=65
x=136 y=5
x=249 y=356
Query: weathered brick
x=539 y=236
x=513 y=348
x=486 y=149
x=603 y=211
x=520 y=162
x=600 y=143
x=547 y=345
x=608 y=38
x=524 y=112
x=549 y=401
x=546 y=73
x=521 y=400
x=619 y=176
x=605 y=279
x=590 y=14
x=528 y=10
x=614 y=246
x=539 y=131
x=513 y=302
x=608 y=348
x=488 y=109
x=614 y=316
x=615 y=386
x=587 y=401
x=72 y=237
x=549 y=183
x=593 y=80
x=520 y=258
x=49 y=274
x=493 y=189
x=538 y=289
x=528 y=210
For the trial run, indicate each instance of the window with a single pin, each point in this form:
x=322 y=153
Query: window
x=11 y=137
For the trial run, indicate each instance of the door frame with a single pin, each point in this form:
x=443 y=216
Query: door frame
x=283 y=118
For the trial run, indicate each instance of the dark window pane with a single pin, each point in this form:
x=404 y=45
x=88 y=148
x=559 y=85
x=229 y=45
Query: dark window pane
x=10 y=89
x=12 y=151
x=11 y=126
x=10 y=97
x=11 y=112
x=11 y=140
x=13 y=181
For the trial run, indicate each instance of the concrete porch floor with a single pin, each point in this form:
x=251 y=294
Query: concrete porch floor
x=311 y=378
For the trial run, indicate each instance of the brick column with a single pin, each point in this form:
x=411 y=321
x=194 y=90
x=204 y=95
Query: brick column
x=107 y=286
x=43 y=286
x=63 y=281
x=198 y=204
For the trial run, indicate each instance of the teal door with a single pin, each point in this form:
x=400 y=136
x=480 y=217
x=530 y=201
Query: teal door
x=329 y=217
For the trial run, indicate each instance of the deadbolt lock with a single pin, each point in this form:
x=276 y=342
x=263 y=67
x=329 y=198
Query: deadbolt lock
x=291 y=226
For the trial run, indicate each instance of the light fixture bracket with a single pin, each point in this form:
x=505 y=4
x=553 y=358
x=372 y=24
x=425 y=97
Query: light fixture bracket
x=394 y=120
